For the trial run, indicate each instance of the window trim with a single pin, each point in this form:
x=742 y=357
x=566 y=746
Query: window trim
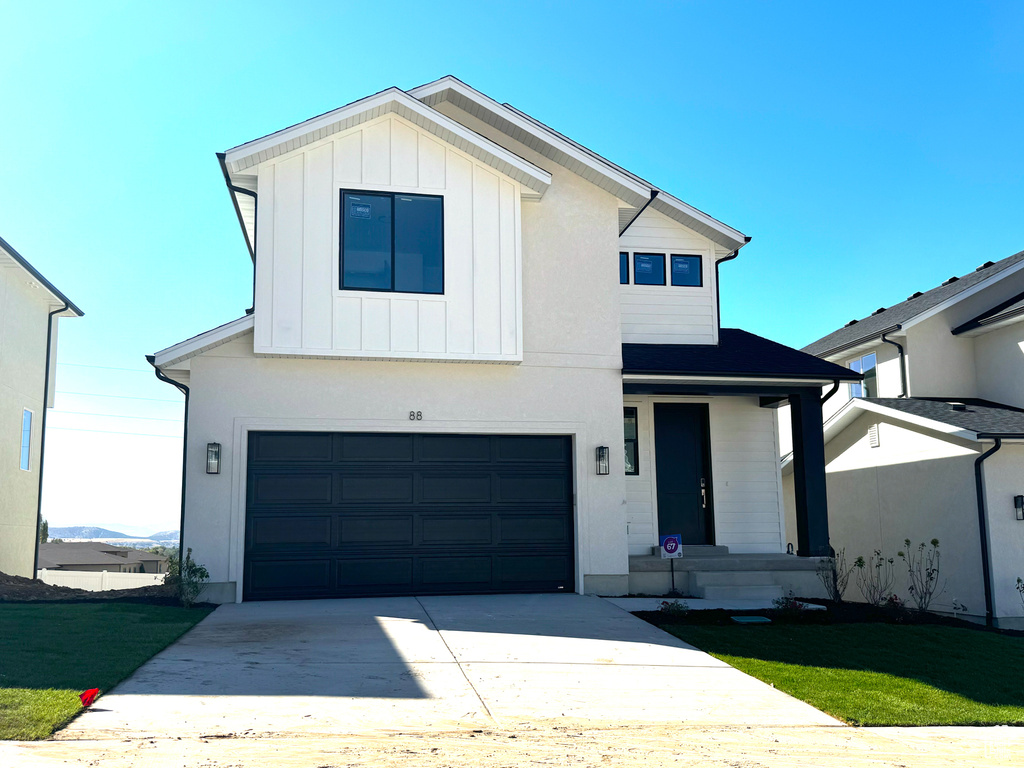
x=341 y=240
x=634 y=440
x=663 y=271
x=700 y=268
x=25 y=461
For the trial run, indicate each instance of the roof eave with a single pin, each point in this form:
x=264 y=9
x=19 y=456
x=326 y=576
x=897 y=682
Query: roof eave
x=72 y=310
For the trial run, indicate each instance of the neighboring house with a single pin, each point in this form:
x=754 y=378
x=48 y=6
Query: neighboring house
x=29 y=310
x=931 y=443
x=98 y=556
x=482 y=358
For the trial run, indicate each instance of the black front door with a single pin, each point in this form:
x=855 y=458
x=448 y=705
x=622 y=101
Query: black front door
x=683 y=462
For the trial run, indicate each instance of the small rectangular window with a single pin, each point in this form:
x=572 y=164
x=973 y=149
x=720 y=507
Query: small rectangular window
x=624 y=269
x=869 y=386
x=686 y=271
x=26 y=439
x=649 y=268
x=392 y=242
x=630 y=432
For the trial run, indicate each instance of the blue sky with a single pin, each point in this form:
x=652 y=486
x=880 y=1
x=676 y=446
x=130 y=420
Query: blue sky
x=870 y=150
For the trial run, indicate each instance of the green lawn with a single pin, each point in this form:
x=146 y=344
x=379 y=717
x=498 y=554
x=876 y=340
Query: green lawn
x=51 y=652
x=880 y=674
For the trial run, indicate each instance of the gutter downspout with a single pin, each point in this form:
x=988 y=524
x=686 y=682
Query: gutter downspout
x=718 y=284
x=983 y=529
x=654 y=194
x=151 y=359
x=903 y=360
x=42 y=433
x=238 y=212
x=827 y=395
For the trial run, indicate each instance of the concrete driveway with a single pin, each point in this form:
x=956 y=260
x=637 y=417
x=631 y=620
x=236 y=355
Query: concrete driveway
x=430 y=663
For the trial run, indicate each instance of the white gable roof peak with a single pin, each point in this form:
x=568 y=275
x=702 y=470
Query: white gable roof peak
x=397 y=101
x=548 y=142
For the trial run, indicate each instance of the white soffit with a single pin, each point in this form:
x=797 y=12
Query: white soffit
x=392 y=100
x=185 y=350
x=628 y=187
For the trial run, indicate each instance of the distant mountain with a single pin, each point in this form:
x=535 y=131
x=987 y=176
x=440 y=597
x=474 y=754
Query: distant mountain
x=86 y=532
x=164 y=536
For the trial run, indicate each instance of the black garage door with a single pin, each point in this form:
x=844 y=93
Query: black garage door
x=357 y=514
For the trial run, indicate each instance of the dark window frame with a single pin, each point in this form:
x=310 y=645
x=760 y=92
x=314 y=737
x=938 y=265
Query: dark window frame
x=634 y=440
x=663 y=270
x=621 y=273
x=341 y=240
x=700 y=269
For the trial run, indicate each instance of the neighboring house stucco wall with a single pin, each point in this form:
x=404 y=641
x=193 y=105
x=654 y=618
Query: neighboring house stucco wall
x=940 y=364
x=999 y=357
x=1004 y=479
x=913 y=486
x=23 y=315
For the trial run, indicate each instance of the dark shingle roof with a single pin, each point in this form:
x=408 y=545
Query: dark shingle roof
x=873 y=325
x=982 y=416
x=1008 y=309
x=738 y=353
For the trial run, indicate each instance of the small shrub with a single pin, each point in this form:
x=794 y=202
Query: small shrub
x=833 y=573
x=875 y=577
x=189 y=576
x=923 y=572
x=674 y=607
x=1020 y=590
x=788 y=604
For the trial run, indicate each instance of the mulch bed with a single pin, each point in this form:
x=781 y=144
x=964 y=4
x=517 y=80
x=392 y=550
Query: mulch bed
x=18 y=589
x=835 y=613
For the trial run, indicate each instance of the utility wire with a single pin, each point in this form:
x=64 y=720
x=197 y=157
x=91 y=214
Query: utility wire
x=111 y=432
x=121 y=397
x=108 y=368
x=112 y=415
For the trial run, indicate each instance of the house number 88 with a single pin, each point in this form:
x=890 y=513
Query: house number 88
x=415 y=415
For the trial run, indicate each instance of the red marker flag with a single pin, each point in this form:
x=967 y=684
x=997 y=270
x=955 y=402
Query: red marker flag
x=88 y=697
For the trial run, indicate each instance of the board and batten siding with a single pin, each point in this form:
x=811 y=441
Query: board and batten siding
x=300 y=309
x=668 y=314
x=746 y=477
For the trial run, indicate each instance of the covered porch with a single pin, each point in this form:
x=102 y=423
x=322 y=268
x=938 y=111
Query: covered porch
x=703 y=463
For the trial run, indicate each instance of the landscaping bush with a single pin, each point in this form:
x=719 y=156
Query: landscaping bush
x=875 y=577
x=835 y=575
x=923 y=572
x=189 y=576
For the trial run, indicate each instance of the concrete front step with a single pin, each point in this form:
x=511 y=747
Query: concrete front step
x=694 y=550
x=732 y=578
x=738 y=592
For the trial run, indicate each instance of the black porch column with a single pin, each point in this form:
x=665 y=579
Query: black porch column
x=809 y=474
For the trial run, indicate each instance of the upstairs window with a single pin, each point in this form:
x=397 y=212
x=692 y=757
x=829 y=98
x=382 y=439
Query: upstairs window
x=687 y=271
x=623 y=269
x=868 y=387
x=26 y=438
x=649 y=268
x=392 y=242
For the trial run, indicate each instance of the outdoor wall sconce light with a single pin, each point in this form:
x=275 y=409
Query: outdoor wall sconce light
x=602 y=460
x=1018 y=504
x=213 y=458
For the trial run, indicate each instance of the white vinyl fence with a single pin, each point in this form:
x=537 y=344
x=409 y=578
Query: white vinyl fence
x=98 y=581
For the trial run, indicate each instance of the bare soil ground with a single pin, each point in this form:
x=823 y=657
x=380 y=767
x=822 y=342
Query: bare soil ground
x=18 y=589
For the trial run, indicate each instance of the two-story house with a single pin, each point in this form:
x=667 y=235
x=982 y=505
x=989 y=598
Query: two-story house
x=931 y=443
x=480 y=358
x=30 y=308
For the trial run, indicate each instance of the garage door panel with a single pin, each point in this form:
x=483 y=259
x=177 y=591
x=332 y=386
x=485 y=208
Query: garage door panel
x=455 y=488
x=385 y=489
x=290 y=531
x=408 y=514
x=456 y=571
x=457 y=529
x=290 y=447
x=291 y=489
x=391 y=572
x=367 y=448
x=375 y=529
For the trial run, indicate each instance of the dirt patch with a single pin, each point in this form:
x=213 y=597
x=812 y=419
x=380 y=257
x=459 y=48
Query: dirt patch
x=18 y=589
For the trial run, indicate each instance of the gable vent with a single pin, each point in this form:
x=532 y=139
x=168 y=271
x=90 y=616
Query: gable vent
x=914 y=295
x=852 y=322
x=878 y=311
x=873 y=440
x=951 y=280
x=986 y=265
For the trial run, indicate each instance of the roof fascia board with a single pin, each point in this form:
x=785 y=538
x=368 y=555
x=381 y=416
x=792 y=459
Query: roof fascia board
x=685 y=214
x=874 y=336
x=399 y=102
x=993 y=323
x=643 y=378
x=209 y=339
x=919 y=421
x=50 y=288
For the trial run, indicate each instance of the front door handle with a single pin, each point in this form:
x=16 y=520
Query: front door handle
x=703 y=494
